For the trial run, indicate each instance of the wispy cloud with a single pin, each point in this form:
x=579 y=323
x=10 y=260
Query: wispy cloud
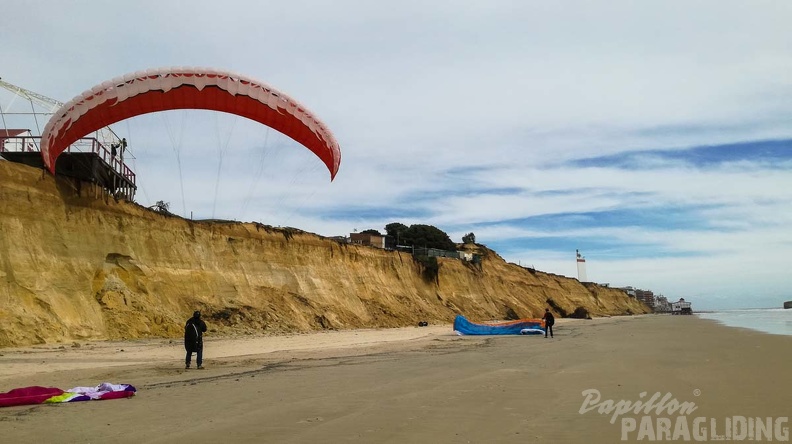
x=759 y=155
x=652 y=136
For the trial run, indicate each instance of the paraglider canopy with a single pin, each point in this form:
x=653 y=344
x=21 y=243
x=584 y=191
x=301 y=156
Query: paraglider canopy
x=186 y=88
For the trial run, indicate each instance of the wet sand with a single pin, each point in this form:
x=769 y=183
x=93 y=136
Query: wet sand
x=422 y=385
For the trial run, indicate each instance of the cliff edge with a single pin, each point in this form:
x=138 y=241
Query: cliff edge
x=77 y=267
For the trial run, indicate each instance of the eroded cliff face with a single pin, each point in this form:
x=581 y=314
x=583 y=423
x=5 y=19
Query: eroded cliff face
x=74 y=267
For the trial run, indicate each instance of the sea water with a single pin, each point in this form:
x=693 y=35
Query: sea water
x=777 y=321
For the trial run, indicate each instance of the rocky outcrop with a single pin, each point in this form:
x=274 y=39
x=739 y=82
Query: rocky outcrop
x=74 y=266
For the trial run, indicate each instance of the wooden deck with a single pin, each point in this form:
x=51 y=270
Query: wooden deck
x=94 y=165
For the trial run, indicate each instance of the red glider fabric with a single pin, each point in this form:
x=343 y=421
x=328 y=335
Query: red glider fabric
x=186 y=88
x=28 y=395
x=117 y=394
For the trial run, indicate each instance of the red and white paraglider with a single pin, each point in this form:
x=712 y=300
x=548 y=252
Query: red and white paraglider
x=165 y=89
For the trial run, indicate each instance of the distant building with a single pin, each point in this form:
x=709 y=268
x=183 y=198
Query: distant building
x=371 y=240
x=661 y=304
x=629 y=290
x=681 y=307
x=645 y=296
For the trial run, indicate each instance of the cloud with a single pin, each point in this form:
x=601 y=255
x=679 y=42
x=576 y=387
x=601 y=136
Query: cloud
x=653 y=136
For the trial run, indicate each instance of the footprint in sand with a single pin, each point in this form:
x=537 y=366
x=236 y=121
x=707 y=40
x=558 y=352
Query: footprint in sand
x=317 y=419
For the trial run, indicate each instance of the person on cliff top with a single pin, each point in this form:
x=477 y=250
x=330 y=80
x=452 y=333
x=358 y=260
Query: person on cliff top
x=121 y=148
x=193 y=339
x=549 y=321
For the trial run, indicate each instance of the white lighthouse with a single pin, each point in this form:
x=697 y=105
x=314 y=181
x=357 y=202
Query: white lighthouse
x=581 y=267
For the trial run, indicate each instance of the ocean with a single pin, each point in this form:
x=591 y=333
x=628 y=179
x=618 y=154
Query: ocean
x=777 y=321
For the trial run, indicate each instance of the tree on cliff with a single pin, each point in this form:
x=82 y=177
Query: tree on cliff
x=469 y=238
x=419 y=235
x=161 y=206
x=395 y=230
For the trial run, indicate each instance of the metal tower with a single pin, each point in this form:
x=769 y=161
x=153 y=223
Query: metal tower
x=581 y=267
x=105 y=135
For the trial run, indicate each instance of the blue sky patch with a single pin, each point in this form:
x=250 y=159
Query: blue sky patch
x=599 y=248
x=659 y=218
x=775 y=154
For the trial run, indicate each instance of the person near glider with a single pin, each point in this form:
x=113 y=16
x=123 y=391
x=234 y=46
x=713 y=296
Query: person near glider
x=549 y=321
x=193 y=339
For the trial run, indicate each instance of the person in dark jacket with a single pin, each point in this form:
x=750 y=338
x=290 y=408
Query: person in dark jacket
x=549 y=321
x=193 y=339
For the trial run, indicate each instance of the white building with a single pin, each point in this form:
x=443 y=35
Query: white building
x=681 y=307
x=581 y=267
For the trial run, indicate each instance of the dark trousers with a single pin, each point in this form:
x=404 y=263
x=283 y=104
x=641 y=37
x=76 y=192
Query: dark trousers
x=198 y=359
x=549 y=329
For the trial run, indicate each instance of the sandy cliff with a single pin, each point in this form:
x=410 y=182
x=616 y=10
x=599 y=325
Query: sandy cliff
x=76 y=267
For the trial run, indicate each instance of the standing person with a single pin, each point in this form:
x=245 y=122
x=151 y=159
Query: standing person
x=549 y=321
x=193 y=339
x=122 y=147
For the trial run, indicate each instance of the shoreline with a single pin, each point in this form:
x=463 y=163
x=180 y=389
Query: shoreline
x=768 y=320
x=429 y=386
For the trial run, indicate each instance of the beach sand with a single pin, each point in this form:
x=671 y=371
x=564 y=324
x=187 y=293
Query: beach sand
x=418 y=385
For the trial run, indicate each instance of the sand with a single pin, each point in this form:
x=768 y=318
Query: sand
x=418 y=385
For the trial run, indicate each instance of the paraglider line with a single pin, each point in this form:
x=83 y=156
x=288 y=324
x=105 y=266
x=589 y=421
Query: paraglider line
x=222 y=148
x=263 y=153
x=177 y=150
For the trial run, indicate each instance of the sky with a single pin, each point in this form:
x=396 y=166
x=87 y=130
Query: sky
x=654 y=136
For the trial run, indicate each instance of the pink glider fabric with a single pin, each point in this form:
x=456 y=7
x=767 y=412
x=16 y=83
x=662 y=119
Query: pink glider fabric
x=52 y=395
x=28 y=395
x=165 y=89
